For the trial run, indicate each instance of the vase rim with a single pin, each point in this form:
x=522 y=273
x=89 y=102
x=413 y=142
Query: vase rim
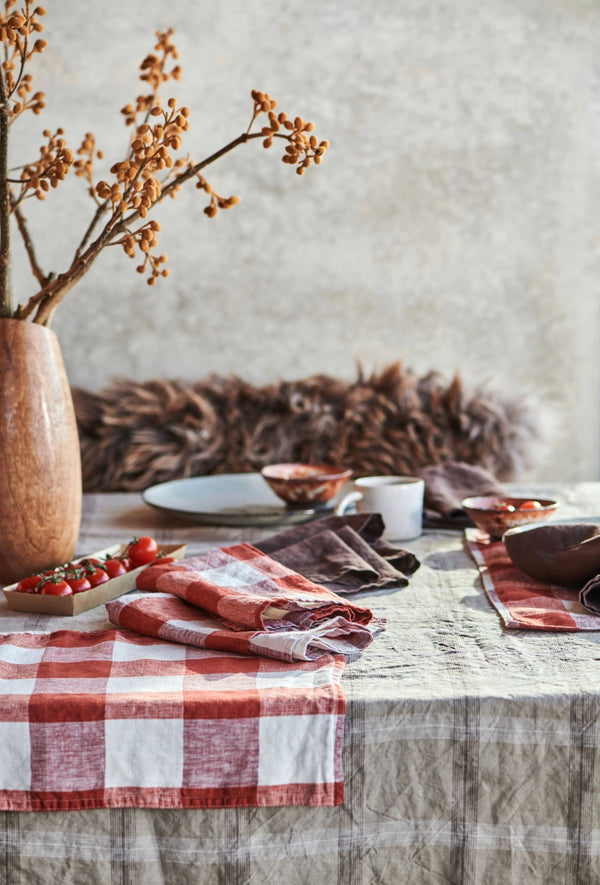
x=27 y=326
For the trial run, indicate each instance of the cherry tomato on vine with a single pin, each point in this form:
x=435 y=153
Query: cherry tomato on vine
x=56 y=587
x=30 y=584
x=97 y=576
x=142 y=550
x=78 y=583
x=114 y=567
x=126 y=562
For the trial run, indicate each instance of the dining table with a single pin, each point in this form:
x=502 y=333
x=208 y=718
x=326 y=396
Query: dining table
x=470 y=750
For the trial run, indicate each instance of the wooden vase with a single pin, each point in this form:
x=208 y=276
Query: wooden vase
x=40 y=463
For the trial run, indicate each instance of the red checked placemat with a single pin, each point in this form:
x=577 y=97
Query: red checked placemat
x=522 y=601
x=114 y=719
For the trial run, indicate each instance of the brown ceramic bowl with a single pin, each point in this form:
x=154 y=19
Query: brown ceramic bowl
x=567 y=553
x=495 y=514
x=305 y=485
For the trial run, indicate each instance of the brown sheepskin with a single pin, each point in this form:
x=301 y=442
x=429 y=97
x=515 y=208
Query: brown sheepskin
x=134 y=435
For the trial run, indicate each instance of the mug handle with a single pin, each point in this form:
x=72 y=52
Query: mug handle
x=348 y=499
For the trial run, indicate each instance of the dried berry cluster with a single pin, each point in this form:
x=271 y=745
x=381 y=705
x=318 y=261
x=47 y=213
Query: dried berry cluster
x=84 y=166
x=16 y=30
x=303 y=148
x=49 y=169
x=154 y=71
x=137 y=188
x=145 y=239
x=154 y=166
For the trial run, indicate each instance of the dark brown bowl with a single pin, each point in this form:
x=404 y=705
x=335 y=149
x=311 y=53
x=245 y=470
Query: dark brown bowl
x=305 y=485
x=492 y=513
x=566 y=553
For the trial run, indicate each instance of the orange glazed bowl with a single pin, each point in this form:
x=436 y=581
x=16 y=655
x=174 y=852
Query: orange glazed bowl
x=495 y=514
x=305 y=485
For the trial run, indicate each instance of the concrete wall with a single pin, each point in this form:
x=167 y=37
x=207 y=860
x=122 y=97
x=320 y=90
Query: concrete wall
x=454 y=224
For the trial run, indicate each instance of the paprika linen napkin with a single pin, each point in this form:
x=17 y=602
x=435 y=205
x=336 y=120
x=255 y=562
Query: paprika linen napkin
x=521 y=601
x=240 y=600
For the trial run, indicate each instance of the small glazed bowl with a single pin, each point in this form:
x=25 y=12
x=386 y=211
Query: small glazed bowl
x=496 y=514
x=305 y=485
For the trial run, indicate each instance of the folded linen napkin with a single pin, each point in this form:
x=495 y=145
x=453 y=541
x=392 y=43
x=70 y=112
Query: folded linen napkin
x=343 y=553
x=446 y=485
x=589 y=596
x=343 y=562
x=239 y=599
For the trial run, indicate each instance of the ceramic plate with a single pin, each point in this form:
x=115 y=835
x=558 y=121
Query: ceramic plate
x=227 y=499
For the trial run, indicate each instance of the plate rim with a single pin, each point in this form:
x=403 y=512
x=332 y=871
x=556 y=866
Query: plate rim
x=278 y=515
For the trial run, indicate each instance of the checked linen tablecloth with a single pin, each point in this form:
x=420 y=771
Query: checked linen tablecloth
x=184 y=707
x=113 y=719
x=471 y=751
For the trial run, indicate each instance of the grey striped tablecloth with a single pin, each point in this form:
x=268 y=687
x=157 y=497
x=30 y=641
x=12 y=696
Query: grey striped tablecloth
x=470 y=750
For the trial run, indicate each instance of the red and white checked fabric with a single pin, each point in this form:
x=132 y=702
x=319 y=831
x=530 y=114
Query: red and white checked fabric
x=522 y=601
x=239 y=599
x=114 y=719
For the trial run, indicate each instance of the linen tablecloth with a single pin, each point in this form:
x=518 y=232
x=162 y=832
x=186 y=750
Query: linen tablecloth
x=115 y=719
x=470 y=750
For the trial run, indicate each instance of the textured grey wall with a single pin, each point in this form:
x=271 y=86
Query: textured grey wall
x=453 y=224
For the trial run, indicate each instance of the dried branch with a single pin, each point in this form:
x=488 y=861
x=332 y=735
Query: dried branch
x=6 y=306
x=149 y=173
x=38 y=273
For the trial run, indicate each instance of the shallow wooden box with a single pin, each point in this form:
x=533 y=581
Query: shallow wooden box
x=80 y=602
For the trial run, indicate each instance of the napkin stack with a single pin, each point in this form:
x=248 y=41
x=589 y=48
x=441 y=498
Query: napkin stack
x=282 y=597
x=343 y=553
x=276 y=598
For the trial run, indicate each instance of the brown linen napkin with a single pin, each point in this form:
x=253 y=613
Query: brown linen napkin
x=368 y=525
x=344 y=553
x=446 y=485
x=589 y=597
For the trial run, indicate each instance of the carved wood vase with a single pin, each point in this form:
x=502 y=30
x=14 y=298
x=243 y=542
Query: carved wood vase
x=40 y=463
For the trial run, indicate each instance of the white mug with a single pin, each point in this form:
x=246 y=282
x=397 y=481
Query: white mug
x=399 y=499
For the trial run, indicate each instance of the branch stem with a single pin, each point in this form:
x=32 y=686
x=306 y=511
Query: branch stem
x=6 y=304
x=23 y=230
x=193 y=170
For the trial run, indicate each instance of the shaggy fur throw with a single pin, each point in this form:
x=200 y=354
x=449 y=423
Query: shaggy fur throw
x=134 y=435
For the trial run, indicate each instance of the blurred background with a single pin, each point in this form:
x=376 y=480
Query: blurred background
x=453 y=224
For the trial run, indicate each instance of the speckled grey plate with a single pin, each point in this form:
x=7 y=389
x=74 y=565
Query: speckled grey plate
x=227 y=499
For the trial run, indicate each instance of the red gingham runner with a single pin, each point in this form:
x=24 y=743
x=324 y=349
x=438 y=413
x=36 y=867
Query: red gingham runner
x=114 y=719
x=239 y=599
x=522 y=601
